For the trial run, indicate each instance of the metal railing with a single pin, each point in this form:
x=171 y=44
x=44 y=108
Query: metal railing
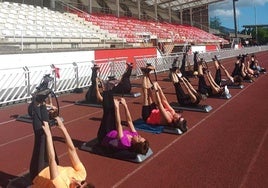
x=164 y=63
x=17 y=84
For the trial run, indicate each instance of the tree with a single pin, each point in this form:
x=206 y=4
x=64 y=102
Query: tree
x=262 y=36
x=215 y=23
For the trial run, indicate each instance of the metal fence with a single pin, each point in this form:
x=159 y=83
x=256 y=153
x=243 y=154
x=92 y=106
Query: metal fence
x=17 y=85
x=164 y=63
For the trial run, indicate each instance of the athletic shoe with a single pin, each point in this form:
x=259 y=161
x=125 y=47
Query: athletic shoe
x=226 y=90
x=183 y=126
x=179 y=75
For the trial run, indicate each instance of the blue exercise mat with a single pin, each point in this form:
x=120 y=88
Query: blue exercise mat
x=140 y=124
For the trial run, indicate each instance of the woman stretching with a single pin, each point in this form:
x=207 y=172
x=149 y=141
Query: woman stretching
x=186 y=94
x=111 y=133
x=124 y=85
x=212 y=88
x=254 y=64
x=240 y=69
x=231 y=80
x=158 y=111
x=91 y=93
x=44 y=169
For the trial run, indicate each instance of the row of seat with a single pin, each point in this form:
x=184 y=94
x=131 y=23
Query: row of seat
x=21 y=20
x=132 y=27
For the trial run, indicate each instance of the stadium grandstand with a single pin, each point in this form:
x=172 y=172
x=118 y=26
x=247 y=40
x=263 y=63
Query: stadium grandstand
x=62 y=24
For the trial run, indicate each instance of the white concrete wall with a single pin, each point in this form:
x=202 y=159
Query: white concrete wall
x=40 y=59
x=200 y=49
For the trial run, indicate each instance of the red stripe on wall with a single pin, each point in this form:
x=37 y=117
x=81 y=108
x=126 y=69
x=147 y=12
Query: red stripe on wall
x=210 y=48
x=130 y=53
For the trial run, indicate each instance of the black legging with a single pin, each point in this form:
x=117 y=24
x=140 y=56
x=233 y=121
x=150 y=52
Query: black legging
x=217 y=78
x=195 y=62
x=203 y=88
x=183 y=71
x=39 y=159
x=183 y=98
x=237 y=70
x=147 y=110
x=182 y=68
x=91 y=95
x=124 y=85
x=108 y=122
x=252 y=65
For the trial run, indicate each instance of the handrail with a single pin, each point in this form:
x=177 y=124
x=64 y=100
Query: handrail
x=17 y=84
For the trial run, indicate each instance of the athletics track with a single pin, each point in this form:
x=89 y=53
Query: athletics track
x=226 y=147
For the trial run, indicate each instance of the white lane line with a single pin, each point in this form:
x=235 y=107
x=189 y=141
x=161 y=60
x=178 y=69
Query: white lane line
x=177 y=139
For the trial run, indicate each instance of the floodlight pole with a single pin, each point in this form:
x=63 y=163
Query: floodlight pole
x=256 y=28
x=235 y=18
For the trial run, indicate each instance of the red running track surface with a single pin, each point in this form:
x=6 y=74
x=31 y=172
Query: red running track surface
x=226 y=147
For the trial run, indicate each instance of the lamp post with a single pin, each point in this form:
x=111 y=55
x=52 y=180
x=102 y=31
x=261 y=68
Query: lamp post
x=256 y=28
x=235 y=18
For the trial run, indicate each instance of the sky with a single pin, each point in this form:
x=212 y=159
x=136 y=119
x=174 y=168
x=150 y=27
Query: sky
x=245 y=12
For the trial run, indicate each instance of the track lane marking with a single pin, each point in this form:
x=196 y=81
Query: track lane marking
x=253 y=160
x=154 y=156
x=181 y=136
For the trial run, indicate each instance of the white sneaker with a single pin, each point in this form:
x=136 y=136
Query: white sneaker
x=226 y=90
x=179 y=75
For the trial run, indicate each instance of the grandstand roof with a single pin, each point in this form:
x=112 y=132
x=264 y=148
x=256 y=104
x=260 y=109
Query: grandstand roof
x=179 y=4
x=253 y=26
